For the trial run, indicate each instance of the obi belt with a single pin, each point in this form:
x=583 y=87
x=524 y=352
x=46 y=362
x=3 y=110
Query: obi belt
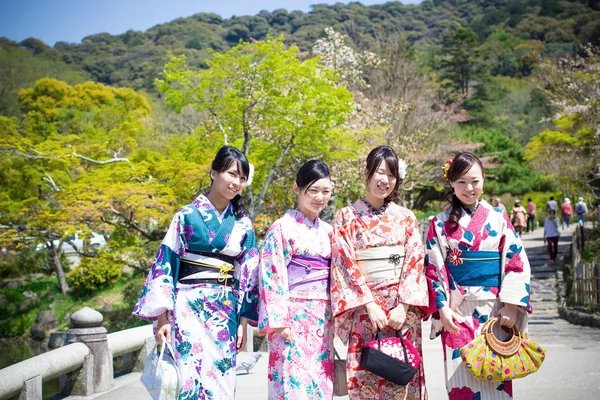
x=309 y=273
x=380 y=263
x=475 y=268
x=212 y=268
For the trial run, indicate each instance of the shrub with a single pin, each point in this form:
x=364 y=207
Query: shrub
x=131 y=291
x=95 y=273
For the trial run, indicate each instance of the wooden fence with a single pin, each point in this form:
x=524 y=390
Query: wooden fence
x=585 y=292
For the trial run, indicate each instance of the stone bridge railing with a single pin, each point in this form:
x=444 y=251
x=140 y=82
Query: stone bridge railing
x=85 y=365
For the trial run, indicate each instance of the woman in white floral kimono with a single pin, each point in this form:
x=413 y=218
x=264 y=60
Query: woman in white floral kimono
x=295 y=310
x=476 y=269
x=201 y=290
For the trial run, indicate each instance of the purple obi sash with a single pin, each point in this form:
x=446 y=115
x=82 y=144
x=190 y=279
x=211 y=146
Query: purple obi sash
x=308 y=273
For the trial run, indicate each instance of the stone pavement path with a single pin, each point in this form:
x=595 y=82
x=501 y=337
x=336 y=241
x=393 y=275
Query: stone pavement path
x=571 y=369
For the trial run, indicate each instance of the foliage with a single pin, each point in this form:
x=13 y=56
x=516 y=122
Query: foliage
x=95 y=273
x=83 y=159
x=134 y=59
x=20 y=68
x=278 y=109
x=569 y=151
x=460 y=62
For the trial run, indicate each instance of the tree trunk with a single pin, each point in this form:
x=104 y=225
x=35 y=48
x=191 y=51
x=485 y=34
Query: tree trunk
x=60 y=273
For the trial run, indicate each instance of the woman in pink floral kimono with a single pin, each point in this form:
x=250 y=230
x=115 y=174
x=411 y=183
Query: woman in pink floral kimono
x=295 y=309
x=476 y=269
x=378 y=279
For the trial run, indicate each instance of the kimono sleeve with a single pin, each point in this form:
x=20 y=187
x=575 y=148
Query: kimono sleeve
x=158 y=293
x=249 y=260
x=435 y=270
x=413 y=284
x=515 y=286
x=274 y=290
x=349 y=288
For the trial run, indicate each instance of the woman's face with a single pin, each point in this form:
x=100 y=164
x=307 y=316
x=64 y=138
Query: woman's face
x=313 y=200
x=230 y=182
x=469 y=187
x=382 y=183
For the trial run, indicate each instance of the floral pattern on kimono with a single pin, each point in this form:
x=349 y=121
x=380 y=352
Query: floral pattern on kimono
x=489 y=229
x=301 y=368
x=360 y=227
x=203 y=317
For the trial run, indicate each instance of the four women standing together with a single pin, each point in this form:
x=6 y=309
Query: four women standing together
x=367 y=273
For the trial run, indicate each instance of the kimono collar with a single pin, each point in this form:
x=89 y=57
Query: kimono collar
x=363 y=207
x=470 y=212
x=303 y=219
x=204 y=204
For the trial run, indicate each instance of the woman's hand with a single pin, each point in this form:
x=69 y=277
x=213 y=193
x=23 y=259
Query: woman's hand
x=242 y=334
x=377 y=316
x=397 y=316
x=507 y=315
x=285 y=333
x=448 y=316
x=163 y=329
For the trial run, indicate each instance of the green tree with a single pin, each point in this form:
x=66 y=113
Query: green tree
x=75 y=165
x=569 y=152
x=460 y=64
x=261 y=97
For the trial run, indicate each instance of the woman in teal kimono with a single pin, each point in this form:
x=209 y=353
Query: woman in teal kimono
x=201 y=290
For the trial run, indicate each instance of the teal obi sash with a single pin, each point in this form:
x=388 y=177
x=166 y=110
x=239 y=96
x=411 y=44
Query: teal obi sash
x=475 y=268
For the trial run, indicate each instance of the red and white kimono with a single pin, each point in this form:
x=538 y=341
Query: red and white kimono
x=358 y=229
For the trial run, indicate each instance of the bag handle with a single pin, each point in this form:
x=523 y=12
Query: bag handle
x=398 y=335
x=161 y=353
x=505 y=349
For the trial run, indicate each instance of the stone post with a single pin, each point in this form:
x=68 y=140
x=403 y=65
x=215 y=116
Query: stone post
x=86 y=327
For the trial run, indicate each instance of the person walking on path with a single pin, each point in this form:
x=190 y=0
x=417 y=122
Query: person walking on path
x=476 y=269
x=531 y=210
x=551 y=205
x=551 y=235
x=581 y=209
x=566 y=211
x=498 y=203
x=518 y=215
x=295 y=310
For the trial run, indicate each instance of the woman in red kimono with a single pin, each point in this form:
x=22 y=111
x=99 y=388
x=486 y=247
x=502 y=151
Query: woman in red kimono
x=378 y=280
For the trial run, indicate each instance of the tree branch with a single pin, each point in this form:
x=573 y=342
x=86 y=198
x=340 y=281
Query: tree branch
x=113 y=160
x=271 y=175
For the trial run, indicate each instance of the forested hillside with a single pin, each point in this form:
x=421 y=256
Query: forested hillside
x=134 y=59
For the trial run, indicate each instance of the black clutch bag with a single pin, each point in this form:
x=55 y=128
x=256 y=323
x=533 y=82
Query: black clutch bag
x=385 y=366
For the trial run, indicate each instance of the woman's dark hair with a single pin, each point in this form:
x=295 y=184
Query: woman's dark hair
x=461 y=164
x=310 y=172
x=387 y=154
x=225 y=157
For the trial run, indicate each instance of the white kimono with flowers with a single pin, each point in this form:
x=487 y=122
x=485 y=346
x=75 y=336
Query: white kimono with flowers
x=489 y=229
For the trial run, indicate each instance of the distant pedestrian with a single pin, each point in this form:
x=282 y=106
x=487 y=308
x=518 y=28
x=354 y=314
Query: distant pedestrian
x=531 y=210
x=518 y=215
x=498 y=203
x=566 y=211
x=581 y=209
x=551 y=235
x=551 y=205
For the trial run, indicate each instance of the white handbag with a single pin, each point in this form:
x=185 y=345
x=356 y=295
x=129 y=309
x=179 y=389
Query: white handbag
x=161 y=375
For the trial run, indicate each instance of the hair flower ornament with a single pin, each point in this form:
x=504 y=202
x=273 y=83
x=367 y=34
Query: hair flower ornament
x=401 y=168
x=447 y=167
x=250 y=175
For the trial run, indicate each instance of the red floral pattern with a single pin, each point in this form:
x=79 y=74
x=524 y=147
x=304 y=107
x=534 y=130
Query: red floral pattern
x=454 y=257
x=464 y=393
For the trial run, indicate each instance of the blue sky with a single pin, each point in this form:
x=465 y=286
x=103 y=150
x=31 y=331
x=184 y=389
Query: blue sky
x=72 y=20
